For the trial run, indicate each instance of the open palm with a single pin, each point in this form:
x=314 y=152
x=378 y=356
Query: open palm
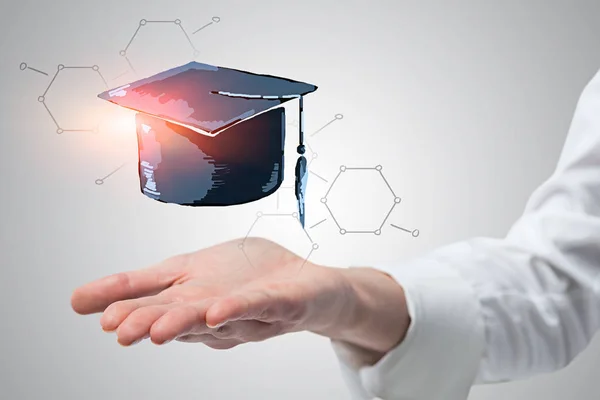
x=217 y=296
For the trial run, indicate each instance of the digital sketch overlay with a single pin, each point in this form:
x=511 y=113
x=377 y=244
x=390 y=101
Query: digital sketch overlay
x=343 y=230
x=337 y=117
x=60 y=127
x=414 y=232
x=177 y=24
x=260 y=215
x=100 y=181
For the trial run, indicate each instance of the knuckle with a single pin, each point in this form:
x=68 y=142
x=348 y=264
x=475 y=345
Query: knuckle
x=118 y=307
x=122 y=280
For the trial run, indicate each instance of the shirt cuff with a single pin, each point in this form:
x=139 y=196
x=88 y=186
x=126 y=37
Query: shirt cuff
x=440 y=355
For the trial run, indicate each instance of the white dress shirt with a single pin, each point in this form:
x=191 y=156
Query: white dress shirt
x=492 y=310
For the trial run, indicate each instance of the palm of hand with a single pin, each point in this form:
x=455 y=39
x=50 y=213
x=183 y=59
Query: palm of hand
x=216 y=296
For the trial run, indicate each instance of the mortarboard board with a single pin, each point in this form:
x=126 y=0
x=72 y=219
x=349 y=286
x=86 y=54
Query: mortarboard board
x=213 y=136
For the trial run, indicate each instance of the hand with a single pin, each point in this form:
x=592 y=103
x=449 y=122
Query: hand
x=217 y=297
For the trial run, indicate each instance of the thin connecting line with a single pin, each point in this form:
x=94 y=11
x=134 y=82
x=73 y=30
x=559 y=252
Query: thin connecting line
x=305 y=231
x=51 y=82
x=188 y=38
x=100 y=181
x=205 y=26
x=388 y=215
x=120 y=75
x=250 y=230
x=332 y=216
x=306 y=260
x=318 y=223
x=387 y=183
x=215 y=20
x=130 y=65
x=133 y=37
x=51 y=115
x=337 y=117
x=415 y=232
x=319 y=176
x=402 y=229
x=23 y=66
x=332 y=183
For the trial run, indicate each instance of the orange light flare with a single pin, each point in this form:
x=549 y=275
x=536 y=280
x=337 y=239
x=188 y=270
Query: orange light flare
x=115 y=139
x=118 y=124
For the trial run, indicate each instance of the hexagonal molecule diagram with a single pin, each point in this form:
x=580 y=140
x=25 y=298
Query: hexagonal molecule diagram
x=63 y=70
x=309 y=244
x=177 y=24
x=375 y=209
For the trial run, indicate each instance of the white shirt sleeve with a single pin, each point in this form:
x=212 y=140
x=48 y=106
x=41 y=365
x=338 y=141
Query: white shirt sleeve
x=493 y=310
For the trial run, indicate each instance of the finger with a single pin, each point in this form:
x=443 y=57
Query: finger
x=137 y=325
x=265 y=306
x=180 y=321
x=96 y=296
x=116 y=313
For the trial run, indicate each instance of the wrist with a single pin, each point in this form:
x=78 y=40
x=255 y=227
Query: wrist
x=374 y=315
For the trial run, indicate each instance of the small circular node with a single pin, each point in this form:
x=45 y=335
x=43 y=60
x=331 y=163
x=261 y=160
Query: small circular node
x=196 y=53
x=241 y=246
x=343 y=168
x=61 y=67
x=23 y=66
x=41 y=99
x=301 y=149
x=339 y=116
x=123 y=53
x=143 y=22
x=59 y=131
x=295 y=215
x=379 y=168
x=415 y=233
x=315 y=246
x=178 y=22
x=324 y=200
x=96 y=68
x=216 y=19
x=342 y=231
x=99 y=181
x=315 y=155
x=259 y=214
x=377 y=232
x=397 y=200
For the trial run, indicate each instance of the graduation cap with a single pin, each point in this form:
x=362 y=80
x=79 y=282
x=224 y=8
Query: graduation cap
x=213 y=136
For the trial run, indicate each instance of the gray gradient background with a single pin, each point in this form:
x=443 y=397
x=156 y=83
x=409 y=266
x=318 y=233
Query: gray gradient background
x=465 y=104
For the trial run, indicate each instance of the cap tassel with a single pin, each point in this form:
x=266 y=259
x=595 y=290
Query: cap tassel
x=301 y=167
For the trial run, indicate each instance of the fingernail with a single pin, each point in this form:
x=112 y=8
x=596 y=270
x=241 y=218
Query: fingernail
x=215 y=326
